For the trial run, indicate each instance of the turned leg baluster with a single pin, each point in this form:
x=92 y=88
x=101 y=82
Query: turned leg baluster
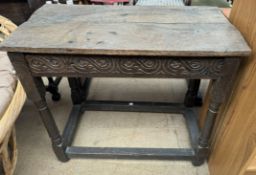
x=35 y=91
x=221 y=89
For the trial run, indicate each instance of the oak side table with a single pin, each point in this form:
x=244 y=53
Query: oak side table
x=126 y=41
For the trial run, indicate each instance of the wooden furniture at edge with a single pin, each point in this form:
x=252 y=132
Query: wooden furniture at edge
x=234 y=142
x=8 y=147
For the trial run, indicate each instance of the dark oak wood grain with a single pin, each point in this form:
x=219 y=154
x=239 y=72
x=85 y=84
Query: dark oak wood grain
x=115 y=30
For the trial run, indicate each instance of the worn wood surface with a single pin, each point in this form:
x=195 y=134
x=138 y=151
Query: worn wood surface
x=119 y=30
x=234 y=142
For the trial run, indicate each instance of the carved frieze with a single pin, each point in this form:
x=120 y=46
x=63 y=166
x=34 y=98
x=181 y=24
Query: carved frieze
x=125 y=66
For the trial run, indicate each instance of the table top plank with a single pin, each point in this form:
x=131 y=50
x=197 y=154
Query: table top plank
x=51 y=14
x=115 y=30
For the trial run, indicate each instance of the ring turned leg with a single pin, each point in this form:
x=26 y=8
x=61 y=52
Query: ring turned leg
x=51 y=127
x=202 y=149
x=35 y=89
x=220 y=90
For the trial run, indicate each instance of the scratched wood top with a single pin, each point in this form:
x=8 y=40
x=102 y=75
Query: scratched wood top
x=128 y=30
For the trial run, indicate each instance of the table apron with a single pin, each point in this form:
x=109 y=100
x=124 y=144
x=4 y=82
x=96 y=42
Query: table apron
x=125 y=66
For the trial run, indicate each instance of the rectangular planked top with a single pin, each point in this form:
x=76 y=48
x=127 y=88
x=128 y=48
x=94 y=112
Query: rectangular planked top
x=128 y=30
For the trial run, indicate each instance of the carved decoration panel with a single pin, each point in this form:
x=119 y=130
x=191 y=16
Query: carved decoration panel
x=125 y=66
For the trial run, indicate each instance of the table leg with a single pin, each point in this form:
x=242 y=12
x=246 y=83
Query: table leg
x=34 y=88
x=52 y=87
x=79 y=89
x=202 y=149
x=221 y=89
x=192 y=98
